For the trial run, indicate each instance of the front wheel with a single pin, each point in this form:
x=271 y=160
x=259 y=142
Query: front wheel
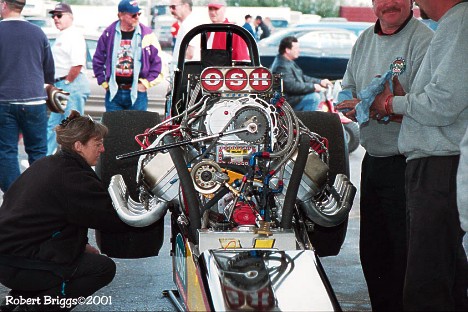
x=352 y=136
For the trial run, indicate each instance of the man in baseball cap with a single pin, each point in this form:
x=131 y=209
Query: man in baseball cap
x=69 y=53
x=217 y=40
x=129 y=6
x=126 y=62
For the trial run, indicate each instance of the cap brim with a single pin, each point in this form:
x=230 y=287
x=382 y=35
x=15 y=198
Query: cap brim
x=59 y=11
x=131 y=11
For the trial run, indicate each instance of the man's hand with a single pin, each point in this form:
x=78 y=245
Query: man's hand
x=317 y=87
x=377 y=109
x=397 y=87
x=92 y=250
x=189 y=52
x=350 y=107
x=326 y=83
x=141 y=87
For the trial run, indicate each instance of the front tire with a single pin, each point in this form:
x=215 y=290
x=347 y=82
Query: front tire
x=327 y=241
x=123 y=126
x=352 y=136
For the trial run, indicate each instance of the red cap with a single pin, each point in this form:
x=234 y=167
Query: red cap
x=216 y=4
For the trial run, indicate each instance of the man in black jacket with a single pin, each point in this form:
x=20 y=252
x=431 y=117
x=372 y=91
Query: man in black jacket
x=301 y=91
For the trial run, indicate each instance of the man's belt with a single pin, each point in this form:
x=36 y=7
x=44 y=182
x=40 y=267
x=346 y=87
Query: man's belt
x=60 y=78
x=125 y=86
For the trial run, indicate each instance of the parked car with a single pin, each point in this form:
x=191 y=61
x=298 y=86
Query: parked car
x=163 y=32
x=162 y=29
x=356 y=27
x=46 y=23
x=324 y=51
x=277 y=24
x=95 y=103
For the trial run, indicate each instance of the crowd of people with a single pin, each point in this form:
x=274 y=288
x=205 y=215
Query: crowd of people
x=411 y=240
x=398 y=38
x=414 y=176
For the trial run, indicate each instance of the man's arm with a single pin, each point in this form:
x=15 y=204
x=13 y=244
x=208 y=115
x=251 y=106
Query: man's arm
x=48 y=64
x=73 y=72
x=99 y=60
x=292 y=85
x=151 y=43
x=444 y=97
x=462 y=183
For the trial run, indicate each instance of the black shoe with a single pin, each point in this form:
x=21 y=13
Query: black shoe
x=26 y=308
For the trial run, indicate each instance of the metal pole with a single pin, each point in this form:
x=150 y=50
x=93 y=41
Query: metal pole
x=148 y=13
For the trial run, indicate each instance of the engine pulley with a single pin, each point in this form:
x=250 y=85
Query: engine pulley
x=205 y=176
x=253 y=119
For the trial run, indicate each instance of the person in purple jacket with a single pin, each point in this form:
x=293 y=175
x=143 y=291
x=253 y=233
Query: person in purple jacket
x=126 y=61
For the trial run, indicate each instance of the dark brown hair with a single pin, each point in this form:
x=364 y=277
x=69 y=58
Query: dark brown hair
x=15 y=5
x=78 y=128
x=286 y=43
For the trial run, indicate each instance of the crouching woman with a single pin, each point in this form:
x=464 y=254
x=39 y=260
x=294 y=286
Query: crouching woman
x=44 y=222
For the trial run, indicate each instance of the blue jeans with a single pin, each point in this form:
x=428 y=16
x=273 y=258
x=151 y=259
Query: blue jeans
x=79 y=92
x=31 y=121
x=123 y=101
x=310 y=102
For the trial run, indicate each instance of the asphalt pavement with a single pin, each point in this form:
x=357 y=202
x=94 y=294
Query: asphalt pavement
x=139 y=283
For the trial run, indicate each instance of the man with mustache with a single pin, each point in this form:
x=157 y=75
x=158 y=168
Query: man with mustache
x=126 y=62
x=182 y=11
x=398 y=40
x=435 y=118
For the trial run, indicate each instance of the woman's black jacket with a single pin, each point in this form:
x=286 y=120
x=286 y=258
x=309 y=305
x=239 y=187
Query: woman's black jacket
x=47 y=211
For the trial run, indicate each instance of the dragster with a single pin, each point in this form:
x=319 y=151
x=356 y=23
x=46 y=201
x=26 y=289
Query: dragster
x=256 y=192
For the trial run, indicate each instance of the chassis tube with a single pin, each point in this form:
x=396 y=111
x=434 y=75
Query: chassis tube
x=296 y=177
x=189 y=195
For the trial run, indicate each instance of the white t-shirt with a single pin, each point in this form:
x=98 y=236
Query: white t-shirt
x=190 y=22
x=69 y=50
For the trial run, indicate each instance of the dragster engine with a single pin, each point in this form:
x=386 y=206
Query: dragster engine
x=239 y=139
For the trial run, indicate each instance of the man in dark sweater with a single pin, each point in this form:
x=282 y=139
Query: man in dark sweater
x=27 y=64
x=301 y=91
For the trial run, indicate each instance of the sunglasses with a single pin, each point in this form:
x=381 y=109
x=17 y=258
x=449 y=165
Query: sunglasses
x=135 y=15
x=67 y=120
x=58 y=15
x=173 y=6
